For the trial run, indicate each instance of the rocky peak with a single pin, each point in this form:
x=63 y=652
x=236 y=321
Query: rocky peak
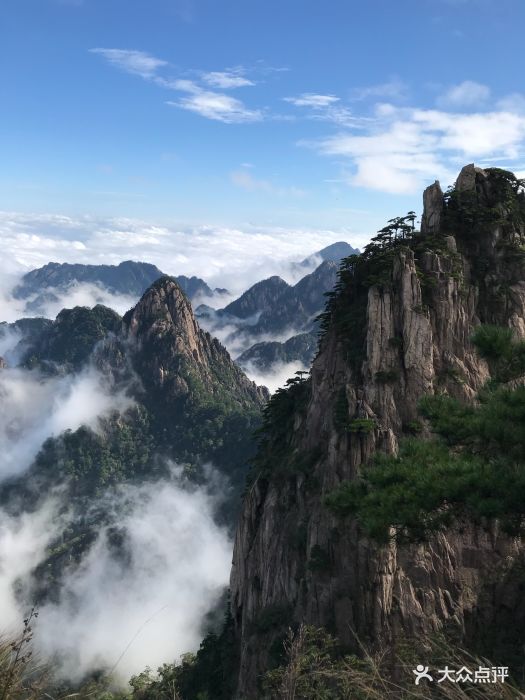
x=469 y=177
x=398 y=328
x=258 y=298
x=174 y=354
x=164 y=311
x=433 y=204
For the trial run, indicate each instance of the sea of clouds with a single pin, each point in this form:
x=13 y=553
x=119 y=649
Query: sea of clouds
x=122 y=613
x=144 y=605
x=229 y=258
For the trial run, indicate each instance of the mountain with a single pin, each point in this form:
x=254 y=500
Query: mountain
x=184 y=378
x=67 y=343
x=272 y=307
x=178 y=399
x=194 y=287
x=398 y=328
x=261 y=297
x=17 y=337
x=195 y=393
x=128 y=277
x=333 y=252
x=263 y=356
x=44 y=285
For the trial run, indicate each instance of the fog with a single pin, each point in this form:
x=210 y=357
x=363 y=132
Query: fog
x=142 y=603
x=23 y=543
x=34 y=407
x=79 y=294
x=234 y=258
x=142 y=593
x=275 y=377
x=236 y=334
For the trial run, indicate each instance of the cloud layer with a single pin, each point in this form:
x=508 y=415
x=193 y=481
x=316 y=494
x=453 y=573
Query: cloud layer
x=145 y=604
x=225 y=257
x=33 y=408
x=405 y=148
x=140 y=602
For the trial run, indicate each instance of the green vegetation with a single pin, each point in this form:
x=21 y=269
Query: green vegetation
x=474 y=470
x=91 y=461
x=71 y=339
x=275 y=450
x=209 y=674
x=315 y=667
x=387 y=376
x=362 y=425
x=312 y=665
x=319 y=559
x=502 y=203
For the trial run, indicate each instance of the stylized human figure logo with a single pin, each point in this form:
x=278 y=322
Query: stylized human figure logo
x=421 y=672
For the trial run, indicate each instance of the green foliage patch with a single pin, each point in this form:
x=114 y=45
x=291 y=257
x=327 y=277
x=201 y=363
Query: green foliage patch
x=474 y=470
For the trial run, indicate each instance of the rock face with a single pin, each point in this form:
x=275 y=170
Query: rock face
x=172 y=353
x=295 y=561
x=432 y=208
x=468 y=177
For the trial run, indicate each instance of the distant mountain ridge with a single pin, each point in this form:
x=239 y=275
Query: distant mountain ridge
x=189 y=405
x=130 y=278
x=271 y=311
x=335 y=252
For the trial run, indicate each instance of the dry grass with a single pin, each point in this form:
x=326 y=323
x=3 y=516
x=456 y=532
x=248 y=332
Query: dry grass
x=22 y=677
x=312 y=672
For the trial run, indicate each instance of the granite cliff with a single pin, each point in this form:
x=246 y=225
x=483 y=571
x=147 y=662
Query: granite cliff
x=398 y=327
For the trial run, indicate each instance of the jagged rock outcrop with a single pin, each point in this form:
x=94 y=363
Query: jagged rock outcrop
x=293 y=559
x=174 y=355
x=433 y=204
x=469 y=176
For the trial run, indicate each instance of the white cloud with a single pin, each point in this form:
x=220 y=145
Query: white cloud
x=474 y=134
x=326 y=108
x=406 y=148
x=276 y=376
x=215 y=105
x=24 y=540
x=143 y=605
x=309 y=99
x=226 y=79
x=236 y=334
x=515 y=103
x=207 y=103
x=466 y=94
x=33 y=408
x=135 y=62
x=246 y=181
x=147 y=606
x=227 y=257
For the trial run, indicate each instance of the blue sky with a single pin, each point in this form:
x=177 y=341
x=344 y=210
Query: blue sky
x=291 y=114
